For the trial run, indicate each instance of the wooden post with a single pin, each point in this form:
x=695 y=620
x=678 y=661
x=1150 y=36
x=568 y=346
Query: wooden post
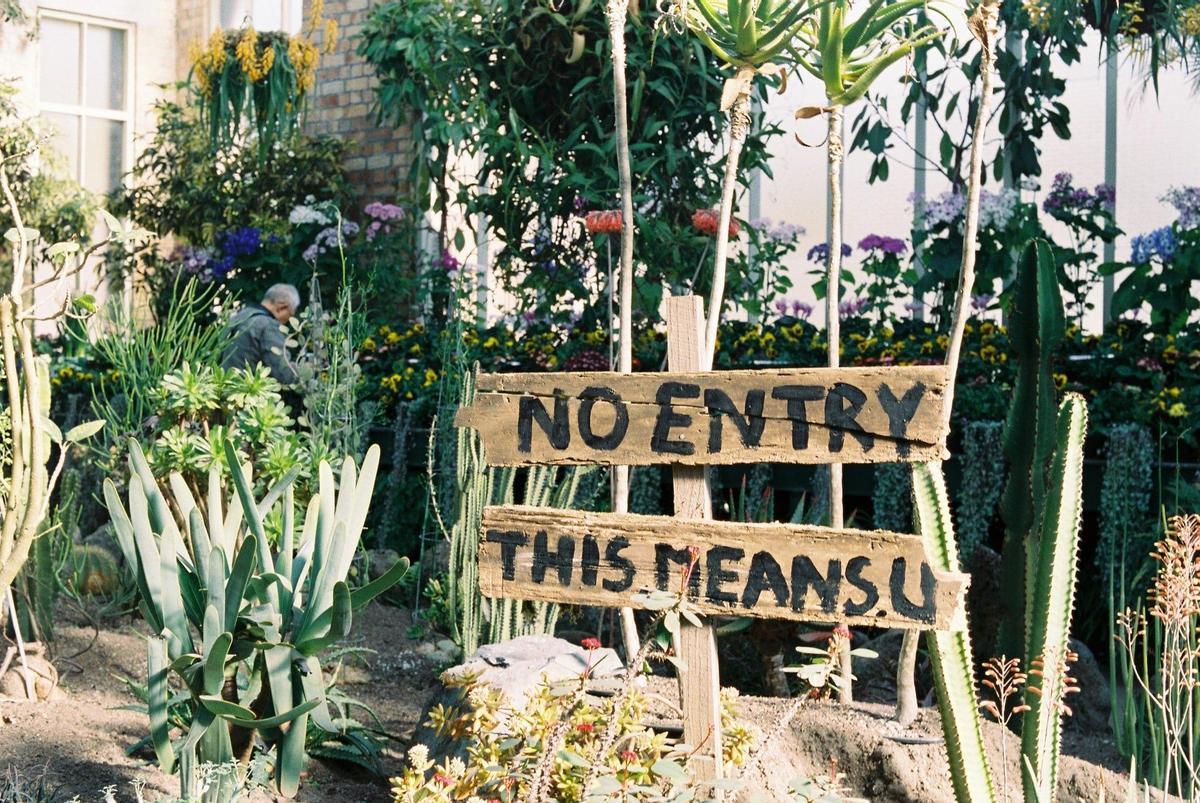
x=699 y=679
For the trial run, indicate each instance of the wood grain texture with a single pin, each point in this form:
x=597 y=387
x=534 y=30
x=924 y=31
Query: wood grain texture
x=771 y=571
x=696 y=646
x=797 y=415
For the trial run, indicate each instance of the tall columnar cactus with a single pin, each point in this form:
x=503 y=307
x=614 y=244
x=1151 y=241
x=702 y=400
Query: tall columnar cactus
x=1037 y=330
x=950 y=652
x=1053 y=598
x=239 y=623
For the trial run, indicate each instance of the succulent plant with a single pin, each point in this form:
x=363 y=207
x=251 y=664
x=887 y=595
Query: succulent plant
x=238 y=623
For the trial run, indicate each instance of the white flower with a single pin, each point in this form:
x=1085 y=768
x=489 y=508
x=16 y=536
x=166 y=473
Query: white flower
x=457 y=767
x=418 y=756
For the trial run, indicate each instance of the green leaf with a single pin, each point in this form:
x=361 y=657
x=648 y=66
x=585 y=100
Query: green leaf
x=81 y=432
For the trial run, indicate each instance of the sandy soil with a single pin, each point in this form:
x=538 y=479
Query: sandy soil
x=81 y=740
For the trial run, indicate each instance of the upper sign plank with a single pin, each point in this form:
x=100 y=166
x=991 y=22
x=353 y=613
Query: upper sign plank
x=796 y=415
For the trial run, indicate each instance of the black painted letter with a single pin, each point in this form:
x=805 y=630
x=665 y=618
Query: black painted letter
x=750 y=424
x=561 y=560
x=901 y=604
x=842 y=404
x=532 y=409
x=718 y=575
x=764 y=573
x=605 y=443
x=664 y=556
x=796 y=396
x=667 y=418
x=900 y=412
x=805 y=574
x=508 y=540
x=612 y=556
x=854 y=570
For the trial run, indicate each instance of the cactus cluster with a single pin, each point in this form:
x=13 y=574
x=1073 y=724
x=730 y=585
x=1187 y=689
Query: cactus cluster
x=240 y=624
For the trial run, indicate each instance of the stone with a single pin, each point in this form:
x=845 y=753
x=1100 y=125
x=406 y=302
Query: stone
x=42 y=675
x=1092 y=706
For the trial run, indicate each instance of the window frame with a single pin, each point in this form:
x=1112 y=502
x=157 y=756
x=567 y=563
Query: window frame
x=81 y=109
x=288 y=22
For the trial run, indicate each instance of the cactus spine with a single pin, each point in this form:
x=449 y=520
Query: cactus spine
x=1037 y=329
x=1053 y=600
x=950 y=652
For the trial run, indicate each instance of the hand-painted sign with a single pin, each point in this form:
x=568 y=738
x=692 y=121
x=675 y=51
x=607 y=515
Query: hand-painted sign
x=776 y=571
x=804 y=415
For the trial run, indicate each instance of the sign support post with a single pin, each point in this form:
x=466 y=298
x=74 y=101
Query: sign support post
x=699 y=679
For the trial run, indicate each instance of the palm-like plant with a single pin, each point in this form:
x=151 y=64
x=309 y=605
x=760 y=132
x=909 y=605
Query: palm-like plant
x=748 y=35
x=847 y=56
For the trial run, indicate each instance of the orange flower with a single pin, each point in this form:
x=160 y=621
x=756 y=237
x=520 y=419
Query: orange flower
x=706 y=221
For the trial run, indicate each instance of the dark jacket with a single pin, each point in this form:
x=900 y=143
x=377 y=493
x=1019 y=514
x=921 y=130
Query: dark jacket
x=256 y=337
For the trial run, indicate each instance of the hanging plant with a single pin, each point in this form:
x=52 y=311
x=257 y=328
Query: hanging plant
x=265 y=78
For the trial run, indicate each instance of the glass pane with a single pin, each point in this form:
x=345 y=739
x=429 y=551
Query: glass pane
x=268 y=15
x=64 y=143
x=60 y=61
x=105 y=69
x=105 y=154
x=232 y=13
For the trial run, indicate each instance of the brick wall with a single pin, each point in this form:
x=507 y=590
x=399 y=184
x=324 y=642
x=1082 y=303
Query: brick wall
x=192 y=27
x=343 y=106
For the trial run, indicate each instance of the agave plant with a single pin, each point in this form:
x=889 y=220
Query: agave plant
x=238 y=623
x=747 y=35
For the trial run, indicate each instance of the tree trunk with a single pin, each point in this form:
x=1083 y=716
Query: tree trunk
x=617 y=10
x=906 y=687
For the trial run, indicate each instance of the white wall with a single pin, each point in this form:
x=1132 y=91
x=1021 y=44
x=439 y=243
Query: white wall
x=1156 y=149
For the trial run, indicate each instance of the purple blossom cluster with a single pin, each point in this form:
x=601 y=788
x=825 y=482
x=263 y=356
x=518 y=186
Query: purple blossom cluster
x=820 y=252
x=1065 y=198
x=240 y=242
x=1160 y=243
x=327 y=239
x=794 y=307
x=946 y=208
x=886 y=245
x=849 y=308
x=449 y=263
x=382 y=216
x=215 y=263
x=1186 y=201
x=777 y=232
x=979 y=303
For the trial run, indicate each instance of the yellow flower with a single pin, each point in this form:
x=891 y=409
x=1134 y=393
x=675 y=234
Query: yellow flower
x=1189 y=21
x=1173 y=392
x=392 y=338
x=1060 y=381
x=988 y=353
x=1177 y=410
x=368 y=344
x=331 y=33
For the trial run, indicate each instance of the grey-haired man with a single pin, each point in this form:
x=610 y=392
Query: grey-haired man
x=256 y=332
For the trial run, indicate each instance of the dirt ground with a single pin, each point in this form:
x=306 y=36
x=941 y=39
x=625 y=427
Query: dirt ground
x=80 y=741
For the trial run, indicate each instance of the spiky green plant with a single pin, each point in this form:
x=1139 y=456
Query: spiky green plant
x=950 y=651
x=1053 y=599
x=240 y=624
x=1037 y=327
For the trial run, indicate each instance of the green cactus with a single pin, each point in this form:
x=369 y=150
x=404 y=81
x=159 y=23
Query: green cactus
x=1037 y=329
x=950 y=652
x=1053 y=600
x=475 y=620
x=241 y=624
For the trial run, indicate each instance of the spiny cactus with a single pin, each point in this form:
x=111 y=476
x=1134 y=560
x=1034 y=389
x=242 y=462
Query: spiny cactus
x=1053 y=600
x=950 y=652
x=1037 y=330
x=476 y=620
x=238 y=623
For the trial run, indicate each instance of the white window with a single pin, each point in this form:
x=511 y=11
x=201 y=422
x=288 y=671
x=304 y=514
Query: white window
x=85 y=93
x=264 y=15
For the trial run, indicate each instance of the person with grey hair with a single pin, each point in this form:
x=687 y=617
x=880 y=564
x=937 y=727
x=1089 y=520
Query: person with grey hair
x=256 y=333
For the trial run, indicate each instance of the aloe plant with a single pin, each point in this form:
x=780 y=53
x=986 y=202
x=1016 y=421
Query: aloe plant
x=1052 y=601
x=240 y=623
x=950 y=651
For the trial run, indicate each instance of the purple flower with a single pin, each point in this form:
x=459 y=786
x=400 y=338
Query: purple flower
x=1186 y=201
x=241 y=242
x=981 y=302
x=449 y=263
x=849 y=308
x=819 y=253
x=382 y=211
x=888 y=245
x=781 y=305
x=327 y=239
x=1159 y=243
x=801 y=310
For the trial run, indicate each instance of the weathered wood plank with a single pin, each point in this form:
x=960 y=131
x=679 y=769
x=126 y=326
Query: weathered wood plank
x=800 y=415
x=699 y=673
x=772 y=571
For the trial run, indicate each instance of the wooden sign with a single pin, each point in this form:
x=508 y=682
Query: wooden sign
x=795 y=415
x=774 y=571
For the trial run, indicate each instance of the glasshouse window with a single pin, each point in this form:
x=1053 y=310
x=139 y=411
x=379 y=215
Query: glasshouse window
x=84 y=94
x=265 y=15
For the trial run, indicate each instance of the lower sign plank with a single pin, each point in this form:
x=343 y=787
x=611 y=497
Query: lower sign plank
x=771 y=571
